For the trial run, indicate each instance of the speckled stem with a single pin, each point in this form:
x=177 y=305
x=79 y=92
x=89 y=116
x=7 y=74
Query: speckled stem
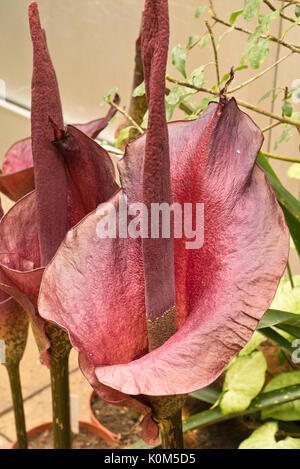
x=171 y=432
x=16 y=392
x=59 y=370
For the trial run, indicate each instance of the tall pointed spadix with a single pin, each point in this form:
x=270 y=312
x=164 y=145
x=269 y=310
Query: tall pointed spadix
x=158 y=254
x=50 y=175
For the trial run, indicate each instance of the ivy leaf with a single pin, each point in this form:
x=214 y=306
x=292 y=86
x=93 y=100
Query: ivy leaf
x=199 y=10
x=259 y=53
x=244 y=379
x=251 y=9
x=179 y=59
x=289 y=411
x=234 y=15
x=287 y=109
x=294 y=171
x=264 y=438
x=139 y=90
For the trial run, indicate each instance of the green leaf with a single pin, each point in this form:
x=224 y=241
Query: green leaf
x=144 y=124
x=266 y=95
x=139 y=90
x=252 y=345
x=236 y=69
x=174 y=99
x=287 y=108
x=265 y=20
x=109 y=95
x=278 y=339
x=205 y=102
x=284 y=137
x=288 y=411
x=288 y=298
x=244 y=379
x=297 y=11
x=203 y=41
x=259 y=53
x=252 y=41
x=209 y=395
x=193 y=38
x=274 y=317
x=251 y=9
x=123 y=135
x=294 y=171
x=234 y=15
x=226 y=32
x=264 y=438
x=199 y=10
x=289 y=204
x=197 y=76
x=179 y=59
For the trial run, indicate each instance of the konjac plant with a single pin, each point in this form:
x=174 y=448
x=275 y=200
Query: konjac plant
x=157 y=314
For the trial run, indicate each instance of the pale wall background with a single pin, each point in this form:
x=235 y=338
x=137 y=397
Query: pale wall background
x=92 y=46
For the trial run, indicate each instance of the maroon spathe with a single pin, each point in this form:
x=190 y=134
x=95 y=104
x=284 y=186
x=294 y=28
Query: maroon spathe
x=222 y=289
x=73 y=175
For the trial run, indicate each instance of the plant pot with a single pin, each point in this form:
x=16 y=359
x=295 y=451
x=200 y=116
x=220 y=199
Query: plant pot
x=107 y=435
x=88 y=427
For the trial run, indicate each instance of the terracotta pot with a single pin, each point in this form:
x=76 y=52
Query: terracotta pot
x=107 y=435
x=94 y=429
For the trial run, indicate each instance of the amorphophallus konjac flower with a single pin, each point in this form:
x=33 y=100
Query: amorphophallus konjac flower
x=119 y=296
x=73 y=174
x=13 y=337
x=17 y=178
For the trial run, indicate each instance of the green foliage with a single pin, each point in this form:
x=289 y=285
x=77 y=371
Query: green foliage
x=251 y=9
x=285 y=136
x=252 y=345
x=244 y=379
x=288 y=298
x=203 y=41
x=175 y=98
x=294 y=171
x=139 y=90
x=289 y=204
x=179 y=59
x=234 y=15
x=199 y=10
x=123 y=135
x=265 y=438
x=259 y=53
x=297 y=11
x=109 y=96
x=287 y=109
x=289 y=411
